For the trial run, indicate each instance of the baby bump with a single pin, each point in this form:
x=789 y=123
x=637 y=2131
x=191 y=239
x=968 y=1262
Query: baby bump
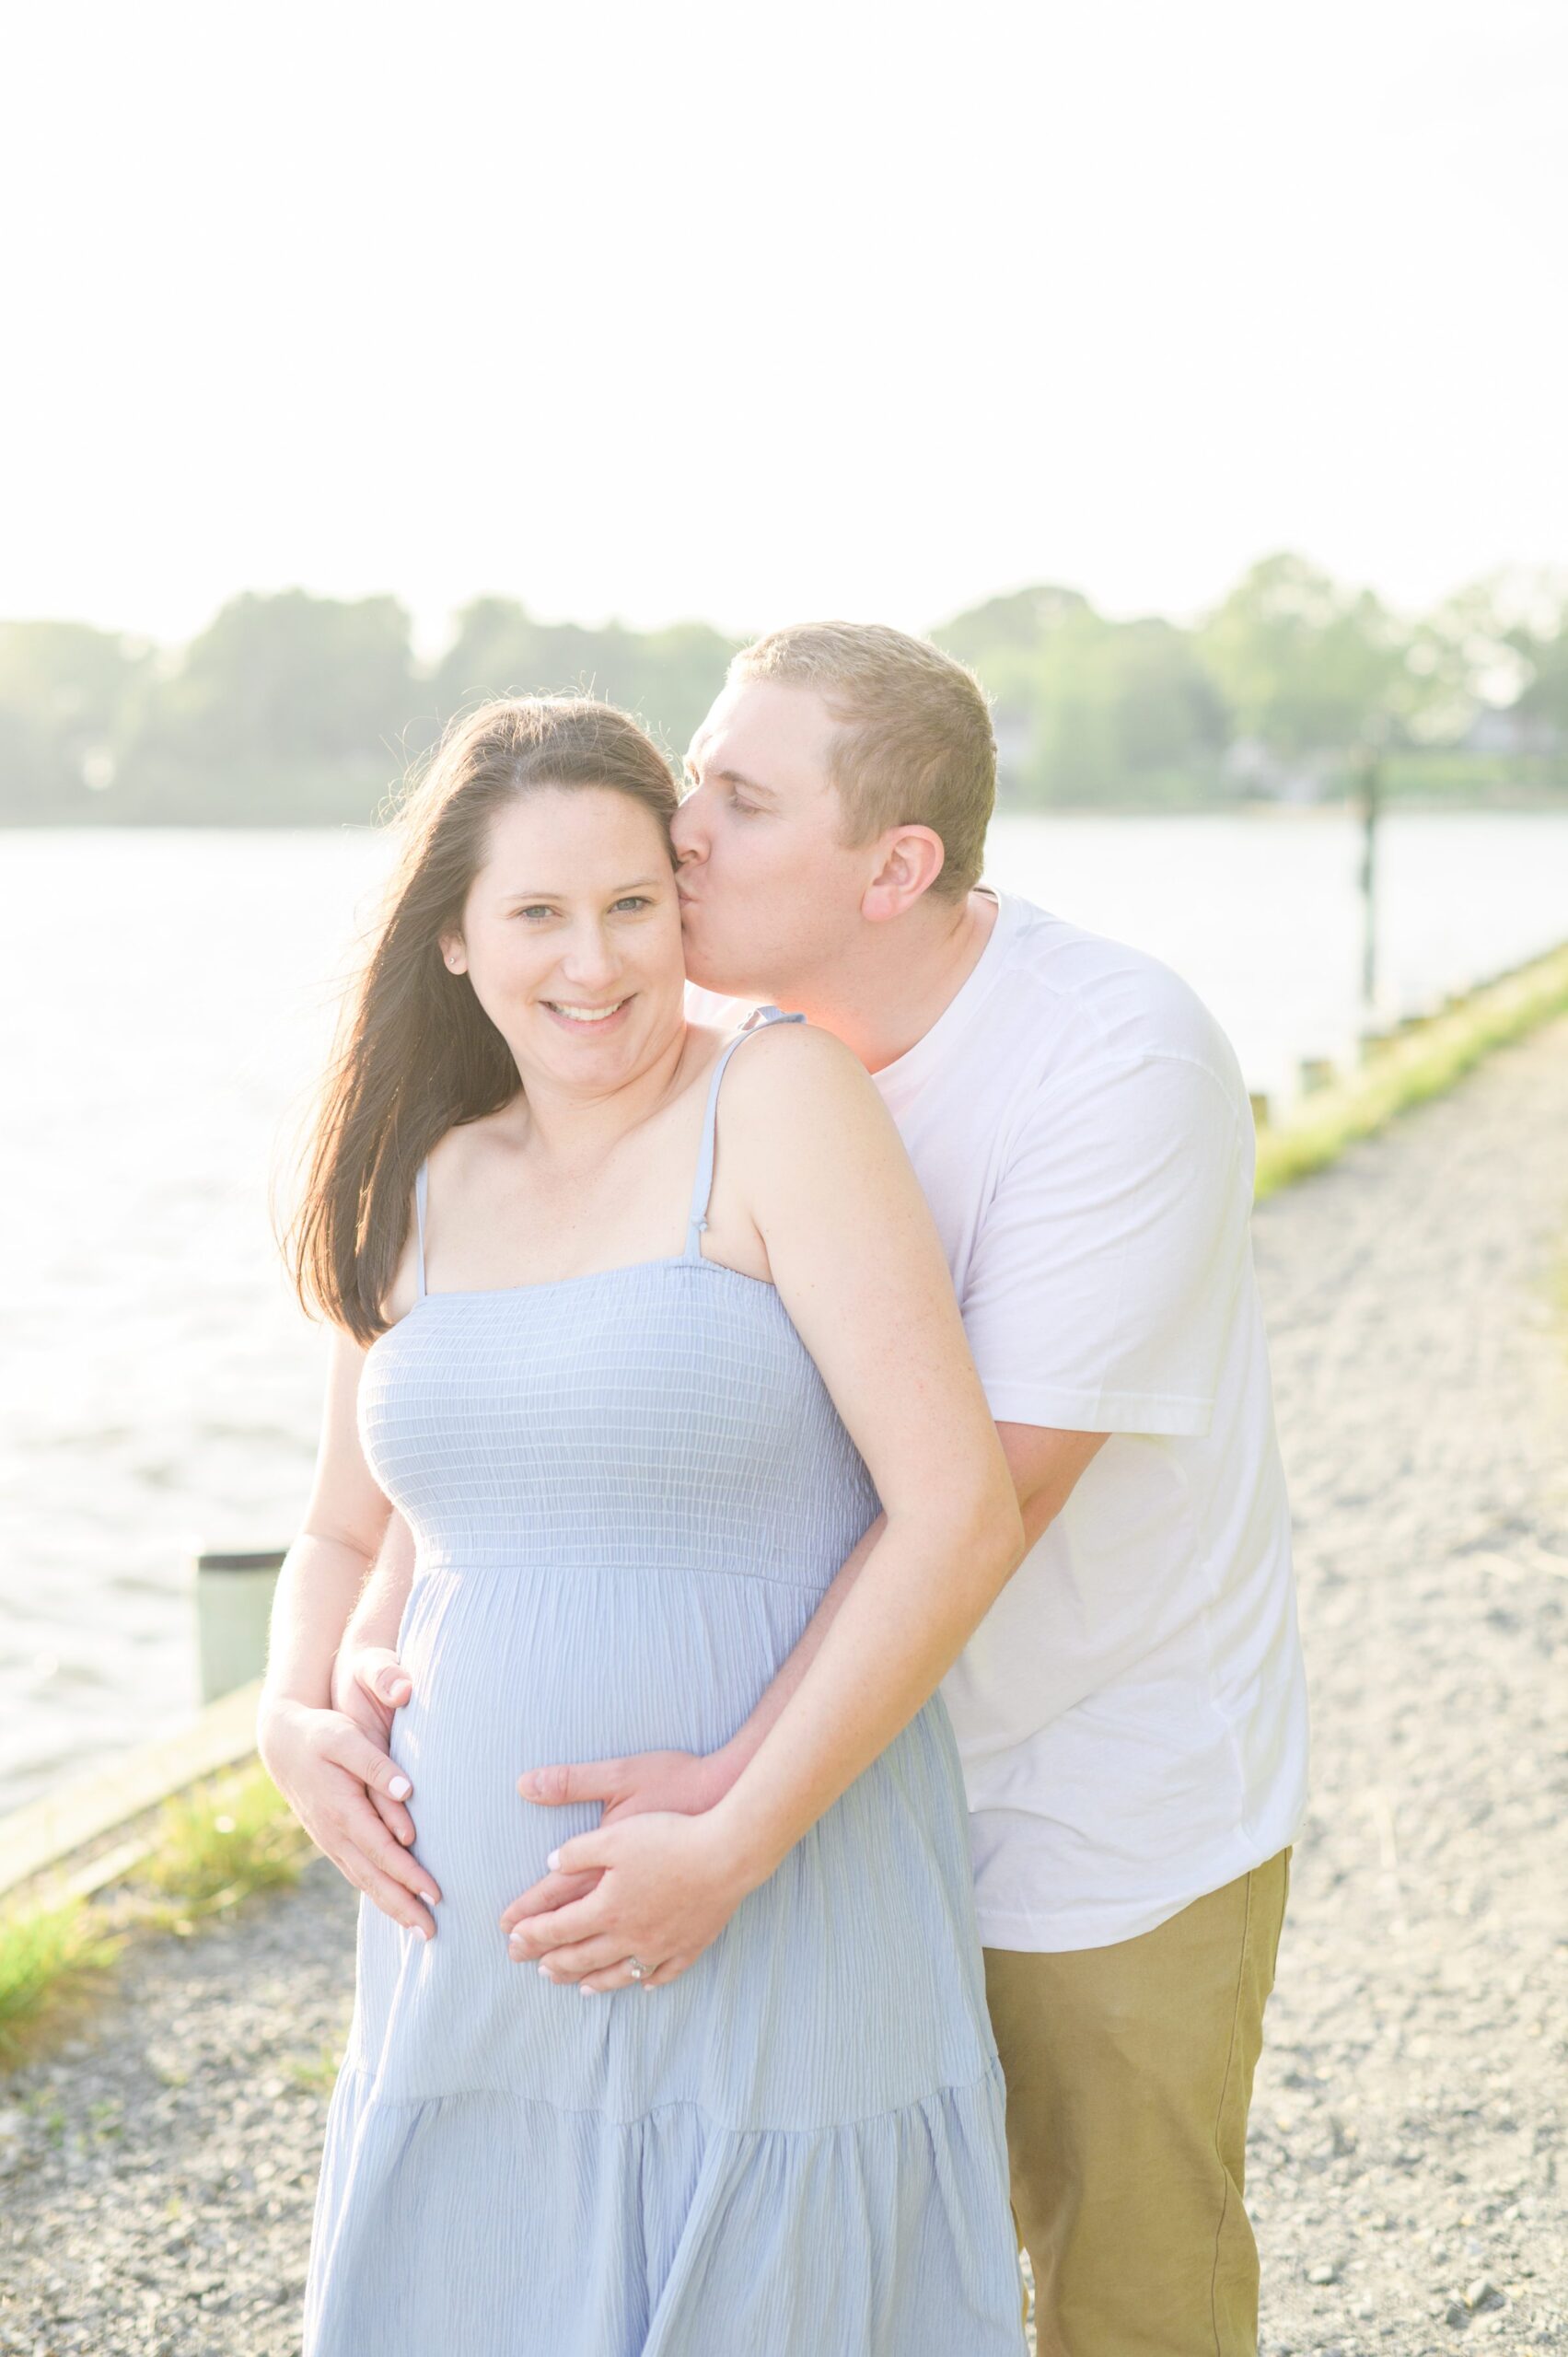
x=515 y=1669
x=863 y=1941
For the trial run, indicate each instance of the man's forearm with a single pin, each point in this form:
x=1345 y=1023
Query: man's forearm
x=1045 y=1465
x=925 y=1586
x=315 y=1593
x=743 y=1745
x=378 y=1615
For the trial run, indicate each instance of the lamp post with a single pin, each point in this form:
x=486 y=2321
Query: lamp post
x=1369 y=804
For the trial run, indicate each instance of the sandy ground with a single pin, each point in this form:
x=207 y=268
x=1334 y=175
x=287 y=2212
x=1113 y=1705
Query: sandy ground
x=1409 y=2114
x=156 y=2178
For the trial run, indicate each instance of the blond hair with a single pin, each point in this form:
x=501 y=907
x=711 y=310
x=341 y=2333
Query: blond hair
x=915 y=747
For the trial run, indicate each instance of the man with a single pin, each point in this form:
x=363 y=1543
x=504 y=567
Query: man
x=1132 y=1713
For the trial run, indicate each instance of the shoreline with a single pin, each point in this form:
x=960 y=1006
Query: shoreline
x=1422 y=1058
x=1543 y=802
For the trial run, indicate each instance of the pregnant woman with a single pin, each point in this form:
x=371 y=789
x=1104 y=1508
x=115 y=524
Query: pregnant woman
x=636 y=1325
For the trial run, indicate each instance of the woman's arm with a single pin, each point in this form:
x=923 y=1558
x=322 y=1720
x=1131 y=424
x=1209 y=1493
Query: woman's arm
x=321 y=1762
x=368 y=1680
x=325 y=1569
x=814 y=1154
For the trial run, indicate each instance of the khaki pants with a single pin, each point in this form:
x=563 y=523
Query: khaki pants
x=1128 y=2074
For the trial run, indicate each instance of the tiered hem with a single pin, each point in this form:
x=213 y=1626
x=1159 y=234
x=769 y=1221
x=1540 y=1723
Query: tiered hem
x=503 y=2226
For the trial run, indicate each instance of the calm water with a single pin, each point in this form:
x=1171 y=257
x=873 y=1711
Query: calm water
x=165 y=998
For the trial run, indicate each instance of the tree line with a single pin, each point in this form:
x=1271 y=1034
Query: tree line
x=295 y=710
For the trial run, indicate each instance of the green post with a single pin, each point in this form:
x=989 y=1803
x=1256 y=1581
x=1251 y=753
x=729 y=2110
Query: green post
x=234 y=1604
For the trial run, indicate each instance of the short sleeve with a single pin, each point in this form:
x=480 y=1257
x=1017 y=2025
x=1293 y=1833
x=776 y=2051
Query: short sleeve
x=1103 y=1277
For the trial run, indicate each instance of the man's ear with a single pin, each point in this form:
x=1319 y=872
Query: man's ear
x=909 y=861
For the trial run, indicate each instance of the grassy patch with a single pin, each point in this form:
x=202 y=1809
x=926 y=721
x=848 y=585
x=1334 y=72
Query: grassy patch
x=212 y=1847
x=317 y=2072
x=52 y=1961
x=221 y=1841
x=1407 y=1071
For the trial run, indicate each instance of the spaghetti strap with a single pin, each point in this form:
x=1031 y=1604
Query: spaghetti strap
x=421 y=1197
x=759 y=1020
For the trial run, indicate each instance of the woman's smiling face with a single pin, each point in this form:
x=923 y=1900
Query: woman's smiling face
x=571 y=936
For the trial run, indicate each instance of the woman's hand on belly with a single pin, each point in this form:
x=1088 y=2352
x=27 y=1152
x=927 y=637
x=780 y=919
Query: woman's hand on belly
x=370 y=1685
x=665 y=1886
x=326 y=1768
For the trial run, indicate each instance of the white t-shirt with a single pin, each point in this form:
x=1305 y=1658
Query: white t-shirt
x=1132 y=1713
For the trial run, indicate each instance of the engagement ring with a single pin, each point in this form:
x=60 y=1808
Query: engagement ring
x=635 y=1967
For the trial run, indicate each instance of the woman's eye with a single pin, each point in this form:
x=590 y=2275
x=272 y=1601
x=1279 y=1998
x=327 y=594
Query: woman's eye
x=536 y=909
x=634 y=900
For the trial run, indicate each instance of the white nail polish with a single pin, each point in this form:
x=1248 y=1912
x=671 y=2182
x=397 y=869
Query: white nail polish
x=399 y=1788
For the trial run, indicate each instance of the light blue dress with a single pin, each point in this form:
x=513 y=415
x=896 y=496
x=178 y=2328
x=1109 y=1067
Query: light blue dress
x=629 y=1490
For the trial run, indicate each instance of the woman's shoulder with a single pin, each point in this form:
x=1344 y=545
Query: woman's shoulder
x=804 y=1118
x=783 y=1072
x=791 y=1043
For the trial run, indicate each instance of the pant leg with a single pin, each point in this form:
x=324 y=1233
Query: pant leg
x=1128 y=2076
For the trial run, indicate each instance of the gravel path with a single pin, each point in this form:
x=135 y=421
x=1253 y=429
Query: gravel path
x=156 y=2180
x=1408 y=2127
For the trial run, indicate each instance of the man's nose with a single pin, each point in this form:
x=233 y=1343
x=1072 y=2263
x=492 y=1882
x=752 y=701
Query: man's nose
x=687 y=832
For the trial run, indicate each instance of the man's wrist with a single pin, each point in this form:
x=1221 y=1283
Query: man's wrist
x=720 y=1768
x=749 y=1842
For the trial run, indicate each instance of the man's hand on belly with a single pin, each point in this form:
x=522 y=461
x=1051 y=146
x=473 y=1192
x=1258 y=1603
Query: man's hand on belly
x=681 y=1784
x=678 y=1784
x=664 y=1885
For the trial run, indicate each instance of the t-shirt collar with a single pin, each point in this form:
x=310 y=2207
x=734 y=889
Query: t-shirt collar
x=910 y=1070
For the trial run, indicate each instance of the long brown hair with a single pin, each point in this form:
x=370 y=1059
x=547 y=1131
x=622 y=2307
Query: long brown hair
x=416 y=1053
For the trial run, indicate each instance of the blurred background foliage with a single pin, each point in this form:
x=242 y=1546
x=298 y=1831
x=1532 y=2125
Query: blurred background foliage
x=295 y=710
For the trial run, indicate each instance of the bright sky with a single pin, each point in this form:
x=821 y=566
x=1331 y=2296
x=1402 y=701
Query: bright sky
x=703 y=308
